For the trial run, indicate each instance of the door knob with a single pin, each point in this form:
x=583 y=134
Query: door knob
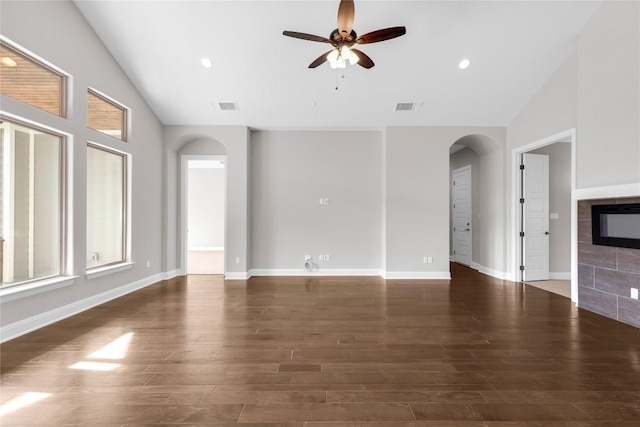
x=546 y=233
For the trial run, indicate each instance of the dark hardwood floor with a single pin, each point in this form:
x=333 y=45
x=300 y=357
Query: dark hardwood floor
x=199 y=351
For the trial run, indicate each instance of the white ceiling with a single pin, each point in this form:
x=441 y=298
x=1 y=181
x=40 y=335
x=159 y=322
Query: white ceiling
x=514 y=47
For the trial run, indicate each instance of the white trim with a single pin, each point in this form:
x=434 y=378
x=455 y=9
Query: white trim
x=183 y=238
x=475 y=266
x=563 y=275
x=493 y=273
x=240 y=275
x=22 y=291
x=167 y=275
x=322 y=272
x=416 y=275
x=14 y=330
x=566 y=136
x=110 y=269
x=206 y=249
x=608 y=192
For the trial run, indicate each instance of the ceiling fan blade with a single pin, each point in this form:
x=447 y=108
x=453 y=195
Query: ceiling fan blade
x=381 y=35
x=305 y=36
x=346 y=13
x=363 y=59
x=320 y=60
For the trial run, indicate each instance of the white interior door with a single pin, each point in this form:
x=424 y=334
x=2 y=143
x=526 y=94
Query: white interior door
x=461 y=194
x=535 y=211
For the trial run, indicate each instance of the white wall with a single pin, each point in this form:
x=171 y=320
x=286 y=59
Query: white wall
x=206 y=207
x=57 y=32
x=291 y=172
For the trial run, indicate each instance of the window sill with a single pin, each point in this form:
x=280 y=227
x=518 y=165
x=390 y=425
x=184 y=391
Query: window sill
x=104 y=271
x=29 y=289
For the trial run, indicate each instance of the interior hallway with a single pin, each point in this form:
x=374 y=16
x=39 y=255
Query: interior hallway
x=475 y=351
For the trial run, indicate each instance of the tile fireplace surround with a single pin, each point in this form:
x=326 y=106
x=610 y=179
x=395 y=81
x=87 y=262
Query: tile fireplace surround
x=606 y=274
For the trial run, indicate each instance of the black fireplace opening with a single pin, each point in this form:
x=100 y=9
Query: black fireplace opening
x=616 y=225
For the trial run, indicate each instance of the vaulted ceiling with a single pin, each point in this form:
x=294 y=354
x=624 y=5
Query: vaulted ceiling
x=513 y=46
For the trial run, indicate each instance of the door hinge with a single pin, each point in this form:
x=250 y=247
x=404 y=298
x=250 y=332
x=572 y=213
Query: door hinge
x=521 y=200
x=522 y=268
x=521 y=167
x=454 y=183
x=454 y=251
x=522 y=234
x=454 y=206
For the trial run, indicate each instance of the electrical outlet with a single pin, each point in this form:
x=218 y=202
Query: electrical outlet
x=424 y=260
x=634 y=293
x=326 y=201
x=429 y=260
x=237 y=260
x=327 y=258
x=148 y=264
x=322 y=201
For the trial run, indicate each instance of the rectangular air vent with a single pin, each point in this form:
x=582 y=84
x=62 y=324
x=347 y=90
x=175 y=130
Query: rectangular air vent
x=228 y=106
x=404 y=106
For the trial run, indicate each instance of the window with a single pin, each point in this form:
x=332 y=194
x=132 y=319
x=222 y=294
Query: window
x=106 y=206
x=31 y=196
x=30 y=81
x=106 y=116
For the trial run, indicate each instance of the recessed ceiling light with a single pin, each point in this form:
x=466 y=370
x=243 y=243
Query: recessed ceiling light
x=464 y=64
x=8 y=61
x=206 y=62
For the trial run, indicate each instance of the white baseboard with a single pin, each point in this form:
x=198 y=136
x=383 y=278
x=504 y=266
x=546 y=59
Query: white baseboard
x=475 y=266
x=14 y=330
x=319 y=272
x=171 y=274
x=240 y=275
x=502 y=275
x=565 y=275
x=417 y=275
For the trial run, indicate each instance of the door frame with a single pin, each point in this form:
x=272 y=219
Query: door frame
x=184 y=218
x=452 y=228
x=568 y=136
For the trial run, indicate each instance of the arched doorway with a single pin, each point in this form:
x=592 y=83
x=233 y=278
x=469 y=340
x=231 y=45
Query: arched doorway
x=203 y=206
x=476 y=193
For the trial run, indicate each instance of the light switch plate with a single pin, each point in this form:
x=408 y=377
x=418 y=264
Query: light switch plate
x=554 y=215
x=634 y=293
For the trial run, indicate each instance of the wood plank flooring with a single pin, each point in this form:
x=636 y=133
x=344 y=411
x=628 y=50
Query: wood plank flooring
x=198 y=351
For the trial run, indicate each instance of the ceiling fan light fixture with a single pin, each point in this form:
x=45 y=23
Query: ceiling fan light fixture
x=353 y=58
x=206 y=62
x=464 y=64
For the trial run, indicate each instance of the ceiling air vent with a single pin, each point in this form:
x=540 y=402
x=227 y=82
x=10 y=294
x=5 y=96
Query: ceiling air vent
x=404 y=106
x=228 y=106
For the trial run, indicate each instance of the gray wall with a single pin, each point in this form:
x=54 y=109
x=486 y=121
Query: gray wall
x=560 y=203
x=78 y=51
x=608 y=97
x=416 y=206
x=233 y=141
x=597 y=92
x=291 y=172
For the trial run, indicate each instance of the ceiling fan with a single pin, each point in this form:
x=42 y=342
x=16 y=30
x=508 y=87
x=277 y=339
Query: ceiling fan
x=343 y=38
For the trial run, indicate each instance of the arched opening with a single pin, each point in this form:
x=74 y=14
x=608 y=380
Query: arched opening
x=475 y=179
x=203 y=206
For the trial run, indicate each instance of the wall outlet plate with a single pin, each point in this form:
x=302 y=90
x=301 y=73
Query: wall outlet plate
x=634 y=293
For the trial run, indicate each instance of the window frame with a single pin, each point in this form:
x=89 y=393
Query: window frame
x=125 y=261
x=36 y=59
x=126 y=113
x=64 y=268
